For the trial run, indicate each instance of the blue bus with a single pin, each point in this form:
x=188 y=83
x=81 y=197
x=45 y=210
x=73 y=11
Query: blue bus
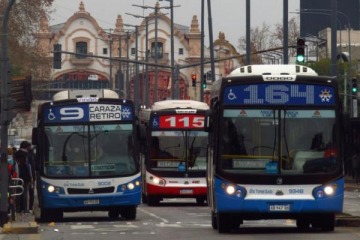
x=275 y=147
x=87 y=155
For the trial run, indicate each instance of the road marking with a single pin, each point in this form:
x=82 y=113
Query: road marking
x=76 y=227
x=154 y=215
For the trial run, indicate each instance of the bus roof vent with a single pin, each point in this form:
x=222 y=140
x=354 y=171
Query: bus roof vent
x=249 y=69
x=89 y=93
x=272 y=69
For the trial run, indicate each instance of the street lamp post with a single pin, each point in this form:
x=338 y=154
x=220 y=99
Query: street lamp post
x=5 y=113
x=172 y=46
x=147 y=87
x=156 y=10
x=136 y=79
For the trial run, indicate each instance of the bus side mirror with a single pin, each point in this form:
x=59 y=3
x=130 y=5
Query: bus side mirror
x=142 y=135
x=208 y=121
x=34 y=136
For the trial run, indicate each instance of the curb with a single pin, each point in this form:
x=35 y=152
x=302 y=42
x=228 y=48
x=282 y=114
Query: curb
x=21 y=228
x=347 y=220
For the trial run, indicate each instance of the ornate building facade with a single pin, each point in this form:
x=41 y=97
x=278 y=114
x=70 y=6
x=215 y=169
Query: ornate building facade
x=135 y=63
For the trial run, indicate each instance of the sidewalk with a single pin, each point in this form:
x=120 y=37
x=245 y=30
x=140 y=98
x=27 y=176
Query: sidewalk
x=24 y=224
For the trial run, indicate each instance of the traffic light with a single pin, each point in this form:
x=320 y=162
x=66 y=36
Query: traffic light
x=204 y=81
x=193 y=78
x=57 y=56
x=354 y=86
x=300 y=50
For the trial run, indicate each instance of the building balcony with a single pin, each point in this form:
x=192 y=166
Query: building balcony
x=81 y=60
x=162 y=58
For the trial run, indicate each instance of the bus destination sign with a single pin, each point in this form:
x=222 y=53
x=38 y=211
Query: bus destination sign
x=87 y=113
x=278 y=94
x=180 y=121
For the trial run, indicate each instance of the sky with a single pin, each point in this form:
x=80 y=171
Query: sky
x=228 y=16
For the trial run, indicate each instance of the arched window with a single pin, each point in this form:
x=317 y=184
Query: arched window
x=160 y=50
x=81 y=47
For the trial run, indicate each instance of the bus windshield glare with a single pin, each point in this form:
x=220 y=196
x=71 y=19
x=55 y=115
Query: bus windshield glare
x=89 y=150
x=272 y=141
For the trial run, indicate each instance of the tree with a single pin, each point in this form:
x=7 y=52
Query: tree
x=263 y=38
x=24 y=21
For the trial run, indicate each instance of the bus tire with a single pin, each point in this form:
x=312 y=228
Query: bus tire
x=327 y=222
x=114 y=213
x=201 y=200
x=213 y=220
x=302 y=223
x=153 y=201
x=129 y=213
x=51 y=215
x=224 y=224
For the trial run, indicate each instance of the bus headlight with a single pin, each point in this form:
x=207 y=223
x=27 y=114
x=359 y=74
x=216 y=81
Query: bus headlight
x=157 y=181
x=51 y=188
x=325 y=191
x=329 y=190
x=236 y=190
x=54 y=189
x=230 y=189
x=130 y=186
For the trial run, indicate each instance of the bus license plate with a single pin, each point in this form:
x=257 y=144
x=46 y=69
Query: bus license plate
x=91 y=202
x=186 y=191
x=279 y=208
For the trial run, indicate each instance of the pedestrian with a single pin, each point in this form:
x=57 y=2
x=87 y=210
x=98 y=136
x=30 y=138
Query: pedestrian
x=21 y=158
x=32 y=163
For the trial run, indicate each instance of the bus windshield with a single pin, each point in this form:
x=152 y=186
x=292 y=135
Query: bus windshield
x=271 y=141
x=178 y=150
x=89 y=150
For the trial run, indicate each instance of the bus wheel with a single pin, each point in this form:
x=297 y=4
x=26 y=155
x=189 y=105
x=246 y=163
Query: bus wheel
x=152 y=201
x=327 y=222
x=114 y=213
x=213 y=221
x=200 y=200
x=51 y=215
x=303 y=223
x=129 y=213
x=224 y=224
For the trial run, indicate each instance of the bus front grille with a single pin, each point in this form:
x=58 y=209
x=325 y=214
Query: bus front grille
x=90 y=190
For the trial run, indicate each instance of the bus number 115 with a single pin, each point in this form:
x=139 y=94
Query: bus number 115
x=182 y=121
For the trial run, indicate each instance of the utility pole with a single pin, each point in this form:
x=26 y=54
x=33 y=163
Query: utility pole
x=6 y=115
x=156 y=11
x=136 y=75
x=172 y=46
x=211 y=41
x=146 y=83
x=202 y=44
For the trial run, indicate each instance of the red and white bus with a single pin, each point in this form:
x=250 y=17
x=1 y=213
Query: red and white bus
x=174 y=151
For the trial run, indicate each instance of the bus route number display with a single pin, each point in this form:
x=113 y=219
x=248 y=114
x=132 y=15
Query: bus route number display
x=286 y=93
x=178 y=121
x=87 y=113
